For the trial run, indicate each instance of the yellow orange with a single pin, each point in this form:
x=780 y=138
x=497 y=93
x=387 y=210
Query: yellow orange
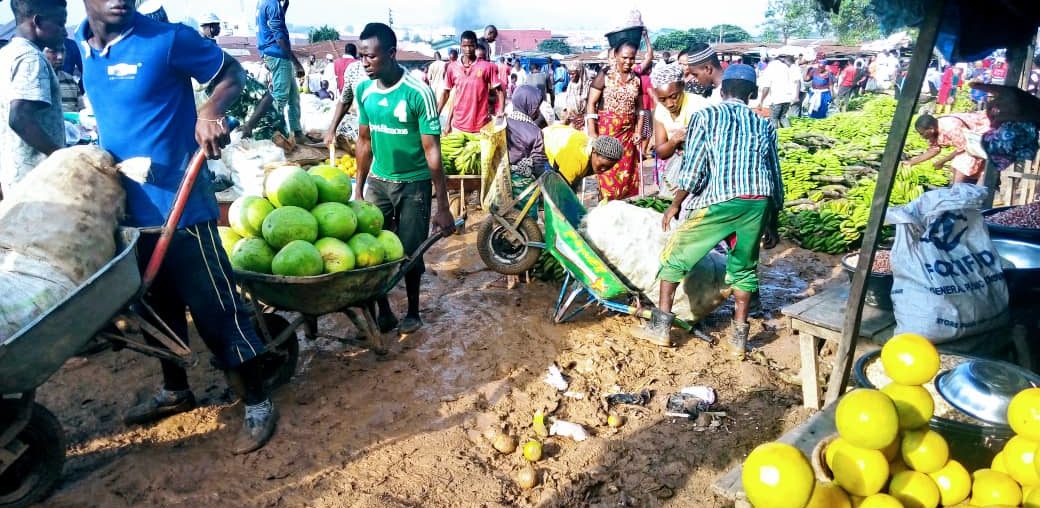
x=954 y=483
x=881 y=501
x=1019 y=458
x=991 y=487
x=910 y=359
x=828 y=495
x=867 y=419
x=861 y=472
x=777 y=475
x=1024 y=414
x=914 y=405
x=925 y=450
x=914 y=490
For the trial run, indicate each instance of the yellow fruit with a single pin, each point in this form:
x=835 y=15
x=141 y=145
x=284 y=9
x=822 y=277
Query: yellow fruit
x=831 y=450
x=954 y=483
x=859 y=471
x=993 y=487
x=881 y=501
x=1024 y=414
x=897 y=466
x=533 y=450
x=1019 y=454
x=1032 y=498
x=914 y=404
x=998 y=463
x=867 y=419
x=925 y=450
x=914 y=490
x=777 y=475
x=892 y=450
x=910 y=359
x=614 y=421
x=828 y=495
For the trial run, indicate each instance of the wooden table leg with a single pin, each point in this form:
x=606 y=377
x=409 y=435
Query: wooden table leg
x=810 y=370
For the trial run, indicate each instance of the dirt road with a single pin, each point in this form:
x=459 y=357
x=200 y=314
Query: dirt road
x=410 y=429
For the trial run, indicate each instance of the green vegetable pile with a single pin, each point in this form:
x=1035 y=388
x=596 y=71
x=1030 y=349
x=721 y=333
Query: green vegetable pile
x=460 y=154
x=654 y=203
x=829 y=168
x=548 y=269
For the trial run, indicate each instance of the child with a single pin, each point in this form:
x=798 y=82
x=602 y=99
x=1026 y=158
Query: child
x=324 y=92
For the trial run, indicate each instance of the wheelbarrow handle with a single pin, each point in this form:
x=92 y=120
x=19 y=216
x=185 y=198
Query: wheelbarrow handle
x=198 y=161
x=418 y=254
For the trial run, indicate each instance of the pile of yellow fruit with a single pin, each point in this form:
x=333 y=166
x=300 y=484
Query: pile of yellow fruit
x=346 y=163
x=885 y=456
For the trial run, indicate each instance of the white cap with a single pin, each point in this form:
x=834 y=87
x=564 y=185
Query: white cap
x=328 y=56
x=208 y=19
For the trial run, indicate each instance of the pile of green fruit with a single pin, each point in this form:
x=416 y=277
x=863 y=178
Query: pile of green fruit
x=307 y=225
x=460 y=154
x=548 y=269
x=829 y=167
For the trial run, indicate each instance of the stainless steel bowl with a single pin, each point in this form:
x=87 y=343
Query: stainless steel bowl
x=984 y=388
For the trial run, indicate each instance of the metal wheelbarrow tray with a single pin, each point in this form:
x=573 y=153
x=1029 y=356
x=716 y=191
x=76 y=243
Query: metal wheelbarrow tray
x=320 y=294
x=41 y=347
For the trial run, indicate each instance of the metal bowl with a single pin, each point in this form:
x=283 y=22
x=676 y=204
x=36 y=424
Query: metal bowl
x=1021 y=263
x=984 y=388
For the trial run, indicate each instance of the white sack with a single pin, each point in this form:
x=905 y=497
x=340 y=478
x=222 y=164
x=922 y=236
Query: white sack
x=246 y=159
x=31 y=287
x=316 y=114
x=631 y=241
x=948 y=282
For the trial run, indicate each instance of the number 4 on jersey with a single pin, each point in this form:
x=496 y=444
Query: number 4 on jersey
x=401 y=112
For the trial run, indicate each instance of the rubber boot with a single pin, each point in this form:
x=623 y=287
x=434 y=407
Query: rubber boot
x=657 y=329
x=738 y=338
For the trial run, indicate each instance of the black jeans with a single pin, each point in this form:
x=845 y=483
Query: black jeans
x=406 y=208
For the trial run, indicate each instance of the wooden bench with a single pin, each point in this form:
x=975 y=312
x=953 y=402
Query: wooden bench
x=820 y=317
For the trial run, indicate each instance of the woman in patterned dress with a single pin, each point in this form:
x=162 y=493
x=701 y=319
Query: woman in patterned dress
x=620 y=90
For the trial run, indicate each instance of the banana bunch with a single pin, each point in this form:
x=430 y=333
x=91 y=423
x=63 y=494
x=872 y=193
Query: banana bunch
x=468 y=161
x=548 y=269
x=452 y=147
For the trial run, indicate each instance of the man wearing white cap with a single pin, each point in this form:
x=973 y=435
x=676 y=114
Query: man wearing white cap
x=706 y=69
x=209 y=26
x=328 y=73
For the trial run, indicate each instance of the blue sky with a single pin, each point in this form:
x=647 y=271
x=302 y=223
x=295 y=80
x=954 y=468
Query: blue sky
x=578 y=14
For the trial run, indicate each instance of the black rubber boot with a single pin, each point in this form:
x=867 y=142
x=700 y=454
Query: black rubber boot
x=657 y=329
x=738 y=338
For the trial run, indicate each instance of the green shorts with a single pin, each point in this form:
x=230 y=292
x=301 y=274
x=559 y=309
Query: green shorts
x=705 y=228
x=406 y=211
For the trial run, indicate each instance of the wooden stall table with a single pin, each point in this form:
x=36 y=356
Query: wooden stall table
x=821 y=317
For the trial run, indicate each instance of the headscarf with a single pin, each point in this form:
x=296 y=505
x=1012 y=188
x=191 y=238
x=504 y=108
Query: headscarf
x=526 y=100
x=664 y=75
x=578 y=89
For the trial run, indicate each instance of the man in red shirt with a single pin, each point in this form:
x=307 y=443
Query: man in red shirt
x=341 y=64
x=846 y=84
x=472 y=81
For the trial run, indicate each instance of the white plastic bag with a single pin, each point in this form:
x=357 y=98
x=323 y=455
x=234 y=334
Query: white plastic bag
x=246 y=160
x=948 y=279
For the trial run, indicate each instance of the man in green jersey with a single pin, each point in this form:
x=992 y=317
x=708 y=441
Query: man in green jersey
x=399 y=157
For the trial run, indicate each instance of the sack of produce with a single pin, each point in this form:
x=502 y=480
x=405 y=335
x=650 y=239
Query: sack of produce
x=948 y=281
x=631 y=240
x=65 y=212
x=31 y=286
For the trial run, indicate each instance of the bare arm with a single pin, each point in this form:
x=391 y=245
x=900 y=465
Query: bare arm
x=667 y=146
x=337 y=117
x=211 y=130
x=364 y=160
x=928 y=154
x=442 y=99
x=500 y=104
x=943 y=160
x=648 y=59
x=432 y=146
x=24 y=120
x=261 y=109
x=595 y=92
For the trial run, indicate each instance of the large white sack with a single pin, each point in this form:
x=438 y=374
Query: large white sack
x=30 y=287
x=316 y=114
x=65 y=212
x=631 y=241
x=245 y=159
x=947 y=279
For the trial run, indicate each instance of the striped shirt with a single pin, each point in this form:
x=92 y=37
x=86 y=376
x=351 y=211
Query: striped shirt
x=730 y=152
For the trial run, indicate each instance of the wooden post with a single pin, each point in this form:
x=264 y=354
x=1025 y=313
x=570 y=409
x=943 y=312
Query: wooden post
x=1019 y=59
x=886 y=177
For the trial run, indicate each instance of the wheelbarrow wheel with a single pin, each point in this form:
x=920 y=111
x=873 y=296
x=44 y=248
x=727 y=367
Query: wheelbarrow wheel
x=504 y=256
x=280 y=362
x=32 y=476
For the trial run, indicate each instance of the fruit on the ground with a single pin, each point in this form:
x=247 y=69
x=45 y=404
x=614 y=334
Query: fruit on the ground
x=228 y=238
x=861 y=472
x=614 y=420
x=527 y=477
x=1019 y=458
x=332 y=183
x=287 y=224
x=533 y=450
x=954 y=483
x=991 y=487
x=777 y=475
x=924 y=450
x=291 y=186
x=910 y=359
x=369 y=218
x=335 y=220
x=828 y=495
x=298 y=259
x=914 y=404
x=867 y=419
x=252 y=255
x=1024 y=414
x=335 y=254
x=914 y=490
x=538 y=424
x=246 y=215
x=367 y=250
x=392 y=247
x=880 y=501
x=504 y=443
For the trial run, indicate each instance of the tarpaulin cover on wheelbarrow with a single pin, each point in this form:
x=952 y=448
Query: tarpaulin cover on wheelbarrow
x=563 y=214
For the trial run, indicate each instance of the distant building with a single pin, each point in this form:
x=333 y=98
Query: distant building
x=510 y=41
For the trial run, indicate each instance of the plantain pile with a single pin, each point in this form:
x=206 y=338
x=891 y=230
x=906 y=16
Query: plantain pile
x=460 y=154
x=829 y=167
x=548 y=269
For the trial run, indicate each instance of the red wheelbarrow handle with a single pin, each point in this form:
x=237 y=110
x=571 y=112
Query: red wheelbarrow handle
x=179 y=203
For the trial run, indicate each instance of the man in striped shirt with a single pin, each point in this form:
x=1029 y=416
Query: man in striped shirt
x=729 y=188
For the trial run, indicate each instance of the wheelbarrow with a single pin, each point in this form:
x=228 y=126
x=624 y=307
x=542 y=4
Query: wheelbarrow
x=109 y=305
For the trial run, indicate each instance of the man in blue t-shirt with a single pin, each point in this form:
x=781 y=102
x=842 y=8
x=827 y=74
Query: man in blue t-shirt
x=137 y=73
x=272 y=39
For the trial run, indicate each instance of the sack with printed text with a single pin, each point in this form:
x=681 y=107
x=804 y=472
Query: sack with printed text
x=948 y=280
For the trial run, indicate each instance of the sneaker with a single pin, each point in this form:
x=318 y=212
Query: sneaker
x=164 y=404
x=738 y=338
x=386 y=322
x=411 y=324
x=260 y=422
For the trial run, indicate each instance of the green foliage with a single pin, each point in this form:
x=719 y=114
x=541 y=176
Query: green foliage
x=679 y=40
x=790 y=19
x=554 y=46
x=323 y=33
x=729 y=33
x=854 y=23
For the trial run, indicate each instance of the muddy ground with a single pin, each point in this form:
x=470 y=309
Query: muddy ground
x=410 y=429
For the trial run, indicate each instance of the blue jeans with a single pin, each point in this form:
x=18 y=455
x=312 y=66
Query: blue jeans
x=284 y=90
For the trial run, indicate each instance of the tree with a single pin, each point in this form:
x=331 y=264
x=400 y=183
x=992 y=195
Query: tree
x=324 y=33
x=855 y=23
x=680 y=40
x=729 y=33
x=554 y=46
x=787 y=19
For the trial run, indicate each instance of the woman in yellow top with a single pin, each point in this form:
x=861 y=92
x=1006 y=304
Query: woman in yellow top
x=675 y=106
